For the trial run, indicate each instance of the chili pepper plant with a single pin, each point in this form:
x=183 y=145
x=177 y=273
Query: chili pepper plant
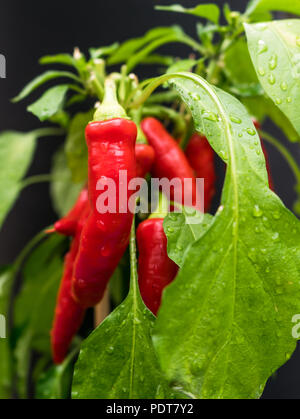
x=204 y=309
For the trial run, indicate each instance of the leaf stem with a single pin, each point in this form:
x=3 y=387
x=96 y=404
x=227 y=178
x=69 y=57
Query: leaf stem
x=285 y=153
x=133 y=260
x=32 y=180
x=48 y=132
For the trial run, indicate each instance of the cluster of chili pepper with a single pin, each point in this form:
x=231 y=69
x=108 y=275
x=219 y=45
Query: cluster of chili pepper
x=100 y=238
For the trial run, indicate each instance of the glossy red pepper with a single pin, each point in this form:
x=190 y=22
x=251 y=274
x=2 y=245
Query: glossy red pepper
x=68 y=224
x=155 y=269
x=201 y=157
x=170 y=160
x=68 y=313
x=145 y=156
x=111 y=148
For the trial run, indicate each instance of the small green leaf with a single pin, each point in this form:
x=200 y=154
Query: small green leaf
x=158 y=59
x=182 y=65
x=141 y=55
x=65 y=59
x=182 y=233
x=44 y=78
x=63 y=191
x=259 y=6
x=76 y=148
x=128 y=48
x=275 y=51
x=208 y=11
x=6 y=276
x=34 y=306
x=50 y=103
x=102 y=51
x=56 y=382
x=16 y=152
x=241 y=74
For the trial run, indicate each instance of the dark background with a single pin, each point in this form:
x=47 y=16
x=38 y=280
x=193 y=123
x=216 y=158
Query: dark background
x=30 y=29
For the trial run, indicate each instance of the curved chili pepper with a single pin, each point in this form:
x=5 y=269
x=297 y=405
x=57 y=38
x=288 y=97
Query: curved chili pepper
x=201 y=157
x=68 y=224
x=145 y=156
x=170 y=160
x=155 y=269
x=111 y=148
x=68 y=313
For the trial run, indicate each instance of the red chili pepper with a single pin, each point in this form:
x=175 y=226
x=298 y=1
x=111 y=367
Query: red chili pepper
x=155 y=269
x=68 y=313
x=111 y=148
x=145 y=156
x=201 y=157
x=68 y=225
x=271 y=183
x=170 y=160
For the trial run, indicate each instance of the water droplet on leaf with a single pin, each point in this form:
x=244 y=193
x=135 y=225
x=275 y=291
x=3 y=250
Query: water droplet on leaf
x=257 y=212
x=262 y=46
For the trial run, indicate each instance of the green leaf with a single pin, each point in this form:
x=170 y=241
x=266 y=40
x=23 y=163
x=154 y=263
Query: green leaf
x=128 y=48
x=76 y=148
x=64 y=192
x=50 y=103
x=102 y=51
x=56 y=382
x=225 y=323
x=16 y=153
x=117 y=361
x=141 y=55
x=208 y=11
x=44 y=78
x=65 y=59
x=244 y=72
x=158 y=59
x=181 y=233
x=260 y=6
x=275 y=51
x=34 y=306
x=6 y=276
x=182 y=65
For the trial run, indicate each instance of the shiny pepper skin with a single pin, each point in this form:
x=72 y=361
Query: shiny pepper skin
x=170 y=160
x=145 y=156
x=68 y=224
x=155 y=269
x=68 y=313
x=201 y=157
x=105 y=237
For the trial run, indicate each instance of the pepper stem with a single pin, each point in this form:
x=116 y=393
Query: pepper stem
x=110 y=107
x=162 y=209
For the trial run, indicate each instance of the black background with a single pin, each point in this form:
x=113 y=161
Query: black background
x=30 y=29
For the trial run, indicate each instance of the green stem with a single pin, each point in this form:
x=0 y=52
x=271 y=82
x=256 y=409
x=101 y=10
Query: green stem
x=95 y=83
x=285 y=153
x=162 y=209
x=32 y=180
x=110 y=107
x=27 y=249
x=48 y=132
x=133 y=261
